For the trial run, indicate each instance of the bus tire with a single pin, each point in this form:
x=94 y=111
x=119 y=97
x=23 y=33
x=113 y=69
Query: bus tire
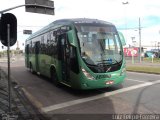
x=54 y=78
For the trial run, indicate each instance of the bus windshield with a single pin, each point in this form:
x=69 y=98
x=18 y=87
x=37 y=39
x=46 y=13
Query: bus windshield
x=99 y=43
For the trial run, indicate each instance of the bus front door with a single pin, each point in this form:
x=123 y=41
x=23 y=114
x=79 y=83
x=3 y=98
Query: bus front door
x=27 y=56
x=37 y=46
x=65 y=58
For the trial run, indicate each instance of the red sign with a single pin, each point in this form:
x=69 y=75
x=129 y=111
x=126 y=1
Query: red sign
x=128 y=52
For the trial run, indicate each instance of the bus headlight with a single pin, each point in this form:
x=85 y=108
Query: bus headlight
x=123 y=71
x=87 y=74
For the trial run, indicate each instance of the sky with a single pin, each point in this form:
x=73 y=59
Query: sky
x=124 y=16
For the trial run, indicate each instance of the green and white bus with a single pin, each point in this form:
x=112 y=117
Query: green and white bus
x=81 y=53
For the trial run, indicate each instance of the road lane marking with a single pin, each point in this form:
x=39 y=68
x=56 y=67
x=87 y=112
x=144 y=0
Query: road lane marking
x=135 y=80
x=83 y=100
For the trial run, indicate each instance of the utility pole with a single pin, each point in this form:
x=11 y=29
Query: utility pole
x=158 y=50
x=125 y=13
x=140 y=51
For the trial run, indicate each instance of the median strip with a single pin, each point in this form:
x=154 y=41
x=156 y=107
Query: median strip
x=144 y=69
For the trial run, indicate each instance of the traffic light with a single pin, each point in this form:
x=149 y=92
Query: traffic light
x=10 y=19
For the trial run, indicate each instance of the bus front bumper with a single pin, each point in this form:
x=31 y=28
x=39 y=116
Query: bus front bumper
x=102 y=83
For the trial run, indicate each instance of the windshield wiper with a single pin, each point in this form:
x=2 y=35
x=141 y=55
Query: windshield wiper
x=116 y=62
x=109 y=69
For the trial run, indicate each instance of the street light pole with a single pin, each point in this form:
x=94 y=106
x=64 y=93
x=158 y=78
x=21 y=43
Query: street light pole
x=158 y=50
x=140 y=51
x=125 y=3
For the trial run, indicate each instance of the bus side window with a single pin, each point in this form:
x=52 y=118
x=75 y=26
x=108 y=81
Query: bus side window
x=42 y=45
x=60 y=43
x=30 y=47
x=33 y=47
x=53 y=38
x=27 y=49
x=37 y=47
x=59 y=47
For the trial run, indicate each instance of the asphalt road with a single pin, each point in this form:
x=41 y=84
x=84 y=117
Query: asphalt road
x=139 y=94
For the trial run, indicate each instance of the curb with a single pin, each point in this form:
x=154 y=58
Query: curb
x=25 y=107
x=36 y=104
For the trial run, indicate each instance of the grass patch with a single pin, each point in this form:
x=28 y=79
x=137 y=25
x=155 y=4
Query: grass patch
x=144 y=69
x=155 y=60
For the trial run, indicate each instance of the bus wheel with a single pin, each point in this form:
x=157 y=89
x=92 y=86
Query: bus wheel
x=54 y=78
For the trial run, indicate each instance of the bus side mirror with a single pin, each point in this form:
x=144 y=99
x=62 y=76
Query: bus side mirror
x=71 y=37
x=123 y=41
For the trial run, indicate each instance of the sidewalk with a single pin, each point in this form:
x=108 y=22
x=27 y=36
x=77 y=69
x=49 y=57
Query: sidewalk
x=21 y=108
x=12 y=59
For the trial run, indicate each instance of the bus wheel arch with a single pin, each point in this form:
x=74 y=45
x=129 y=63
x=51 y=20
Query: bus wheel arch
x=53 y=76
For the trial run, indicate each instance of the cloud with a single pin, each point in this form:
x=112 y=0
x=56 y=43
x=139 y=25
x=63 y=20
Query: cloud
x=109 y=10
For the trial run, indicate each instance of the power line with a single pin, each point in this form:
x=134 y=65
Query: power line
x=28 y=26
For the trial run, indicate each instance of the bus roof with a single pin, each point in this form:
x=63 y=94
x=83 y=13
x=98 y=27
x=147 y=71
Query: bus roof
x=62 y=22
x=82 y=20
